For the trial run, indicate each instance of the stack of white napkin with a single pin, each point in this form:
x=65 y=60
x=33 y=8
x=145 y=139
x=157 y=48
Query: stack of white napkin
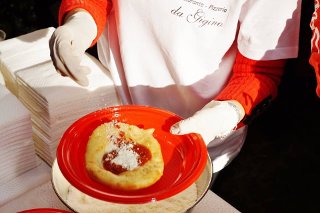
x=55 y=102
x=17 y=151
x=21 y=52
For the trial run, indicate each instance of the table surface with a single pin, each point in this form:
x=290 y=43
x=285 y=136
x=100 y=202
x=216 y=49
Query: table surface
x=42 y=195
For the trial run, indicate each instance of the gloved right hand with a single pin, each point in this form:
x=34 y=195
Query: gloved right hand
x=68 y=45
x=215 y=120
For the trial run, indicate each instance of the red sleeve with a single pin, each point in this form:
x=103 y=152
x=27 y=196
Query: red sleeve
x=253 y=81
x=98 y=9
x=315 y=44
x=315 y=62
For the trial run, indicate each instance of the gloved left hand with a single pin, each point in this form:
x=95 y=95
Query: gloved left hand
x=69 y=43
x=216 y=119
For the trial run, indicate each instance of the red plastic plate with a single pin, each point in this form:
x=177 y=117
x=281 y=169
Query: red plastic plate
x=44 y=210
x=185 y=157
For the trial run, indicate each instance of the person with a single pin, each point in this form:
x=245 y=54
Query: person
x=217 y=64
x=314 y=59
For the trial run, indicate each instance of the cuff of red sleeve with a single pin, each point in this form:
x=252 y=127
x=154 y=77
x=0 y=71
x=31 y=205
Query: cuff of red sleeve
x=97 y=9
x=315 y=62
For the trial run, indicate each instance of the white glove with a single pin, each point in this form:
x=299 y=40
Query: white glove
x=215 y=120
x=69 y=43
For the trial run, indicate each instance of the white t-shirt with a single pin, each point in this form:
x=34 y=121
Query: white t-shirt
x=179 y=54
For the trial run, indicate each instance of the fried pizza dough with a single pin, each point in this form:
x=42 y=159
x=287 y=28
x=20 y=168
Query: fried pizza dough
x=124 y=156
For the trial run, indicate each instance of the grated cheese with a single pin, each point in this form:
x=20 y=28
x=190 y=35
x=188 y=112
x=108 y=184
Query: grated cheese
x=126 y=158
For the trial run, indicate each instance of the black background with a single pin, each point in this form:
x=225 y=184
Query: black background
x=279 y=165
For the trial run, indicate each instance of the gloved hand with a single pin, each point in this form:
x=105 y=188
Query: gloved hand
x=216 y=119
x=69 y=43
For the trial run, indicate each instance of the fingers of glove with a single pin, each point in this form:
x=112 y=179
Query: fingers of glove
x=60 y=36
x=57 y=58
x=68 y=62
x=60 y=67
x=82 y=79
x=198 y=123
x=183 y=127
x=209 y=123
x=187 y=126
x=73 y=68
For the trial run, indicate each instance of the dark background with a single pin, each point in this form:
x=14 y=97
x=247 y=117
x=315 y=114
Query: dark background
x=279 y=165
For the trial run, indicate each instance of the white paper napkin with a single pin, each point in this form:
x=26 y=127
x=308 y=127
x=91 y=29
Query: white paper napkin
x=21 y=52
x=55 y=90
x=24 y=183
x=11 y=109
x=17 y=153
x=13 y=133
x=10 y=65
x=55 y=102
x=11 y=150
x=25 y=42
x=17 y=167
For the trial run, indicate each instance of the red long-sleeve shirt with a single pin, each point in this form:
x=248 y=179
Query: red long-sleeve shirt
x=315 y=44
x=252 y=81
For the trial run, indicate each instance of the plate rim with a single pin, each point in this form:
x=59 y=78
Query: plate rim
x=44 y=210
